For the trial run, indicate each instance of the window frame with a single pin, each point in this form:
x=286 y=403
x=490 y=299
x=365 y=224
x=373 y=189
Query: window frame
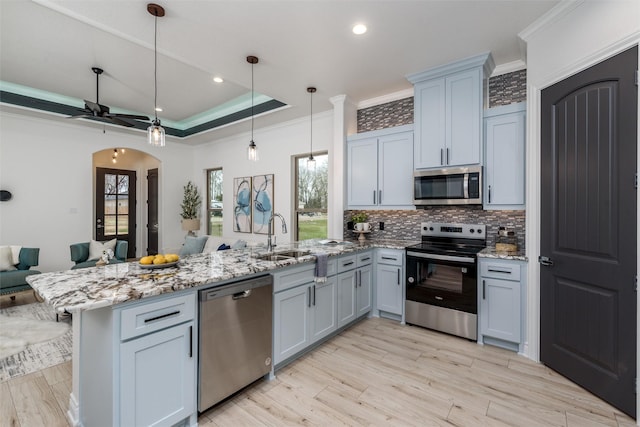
x=295 y=210
x=211 y=210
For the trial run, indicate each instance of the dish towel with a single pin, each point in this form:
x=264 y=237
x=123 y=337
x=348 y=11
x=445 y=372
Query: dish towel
x=321 y=268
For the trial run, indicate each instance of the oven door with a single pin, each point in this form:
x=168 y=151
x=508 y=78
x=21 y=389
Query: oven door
x=443 y=280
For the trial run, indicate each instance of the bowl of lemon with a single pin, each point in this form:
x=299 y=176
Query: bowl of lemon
x=159 y=261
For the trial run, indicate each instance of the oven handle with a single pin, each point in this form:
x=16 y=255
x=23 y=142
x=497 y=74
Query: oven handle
x=442 y=257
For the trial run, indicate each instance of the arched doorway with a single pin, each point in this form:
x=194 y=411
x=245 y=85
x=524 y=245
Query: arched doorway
x=126 y=198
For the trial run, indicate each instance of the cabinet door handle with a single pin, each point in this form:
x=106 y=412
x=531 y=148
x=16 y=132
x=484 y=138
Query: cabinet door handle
x=484 y=289
x=190 y=341
x=390 y=258
x=309 y=297
x=153 y=319
x=314 y=295
x=489 y=194
x=398 y=277
x=380 y=196
x=374 y=197
x=498 y=271
x=447 y=156
x=442 y=156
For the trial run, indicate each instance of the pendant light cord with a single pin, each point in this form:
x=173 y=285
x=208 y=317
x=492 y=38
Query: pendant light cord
x=155 y=67
x=311 y=125
x=252 y=102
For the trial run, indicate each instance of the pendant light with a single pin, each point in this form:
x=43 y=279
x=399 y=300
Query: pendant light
x=155 y=132
x=311 y=162
x=252 y=150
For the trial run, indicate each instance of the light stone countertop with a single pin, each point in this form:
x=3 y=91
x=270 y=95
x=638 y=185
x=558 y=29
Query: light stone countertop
x=491 y=252
x=96 y=287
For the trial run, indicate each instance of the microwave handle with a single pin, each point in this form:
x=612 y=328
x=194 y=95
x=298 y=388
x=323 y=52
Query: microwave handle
x=466 y=185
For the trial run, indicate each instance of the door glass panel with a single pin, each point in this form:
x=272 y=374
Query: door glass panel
x=123 y=204
x=109 y=225
x=439 y=276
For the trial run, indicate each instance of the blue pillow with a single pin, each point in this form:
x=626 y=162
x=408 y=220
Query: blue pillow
x=223 y=247
x=193 y=245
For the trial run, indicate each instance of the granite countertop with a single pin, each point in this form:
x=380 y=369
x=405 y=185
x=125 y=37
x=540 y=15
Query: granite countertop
x=491 y=252
x=96 y=287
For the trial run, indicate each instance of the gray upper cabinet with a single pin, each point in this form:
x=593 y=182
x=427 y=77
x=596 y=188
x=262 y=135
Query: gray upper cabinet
x=380 y=169
x=448 y=106
x=504 y=177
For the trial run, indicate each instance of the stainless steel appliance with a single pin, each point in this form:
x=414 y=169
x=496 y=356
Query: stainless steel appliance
x=450 y=186
x=235 y=338
x=442 y=279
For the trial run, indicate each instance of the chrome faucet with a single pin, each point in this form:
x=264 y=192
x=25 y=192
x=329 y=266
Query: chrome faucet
x=284 y=230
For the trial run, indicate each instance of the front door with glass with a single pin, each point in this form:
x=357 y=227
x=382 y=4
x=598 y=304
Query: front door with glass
x=116 y=206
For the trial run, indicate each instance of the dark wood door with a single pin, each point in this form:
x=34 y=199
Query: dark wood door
x=116 y=206
x=152 y=211
x=588 y=229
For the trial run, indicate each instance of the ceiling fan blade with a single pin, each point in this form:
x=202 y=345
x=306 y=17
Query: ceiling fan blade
x=81 y=116
x=120 y=122
x=130 y=116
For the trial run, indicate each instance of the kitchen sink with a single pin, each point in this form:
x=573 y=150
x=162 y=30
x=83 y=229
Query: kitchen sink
x=281 y=256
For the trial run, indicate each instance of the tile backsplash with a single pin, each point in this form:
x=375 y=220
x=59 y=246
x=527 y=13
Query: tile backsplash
x=405 y=224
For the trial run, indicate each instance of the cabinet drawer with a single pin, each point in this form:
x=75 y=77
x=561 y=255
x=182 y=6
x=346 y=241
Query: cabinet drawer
x=500 y=270
x=389 y=257
x=364 y=258
x=147 y=318
x=294 y=276
x=346 y=263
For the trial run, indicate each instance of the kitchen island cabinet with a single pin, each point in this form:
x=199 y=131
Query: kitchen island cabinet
x=390 y=283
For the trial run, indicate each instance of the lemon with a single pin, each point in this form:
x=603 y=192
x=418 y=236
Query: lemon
x=171 y=257
x=160 y=259
x=147 y=260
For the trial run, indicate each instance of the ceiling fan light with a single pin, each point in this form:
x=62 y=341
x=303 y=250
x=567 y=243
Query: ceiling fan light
x=155 y=134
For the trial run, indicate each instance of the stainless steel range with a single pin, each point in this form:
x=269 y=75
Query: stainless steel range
x=442 y=279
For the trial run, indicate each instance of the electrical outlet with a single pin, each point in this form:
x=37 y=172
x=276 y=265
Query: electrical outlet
x=349 y=225
x=381 y=226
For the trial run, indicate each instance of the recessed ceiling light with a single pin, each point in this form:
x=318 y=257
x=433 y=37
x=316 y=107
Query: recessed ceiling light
x=158 y=109
x=218 y=79
x=359 y=29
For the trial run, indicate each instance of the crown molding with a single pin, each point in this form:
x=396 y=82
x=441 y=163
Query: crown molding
x=390 y=97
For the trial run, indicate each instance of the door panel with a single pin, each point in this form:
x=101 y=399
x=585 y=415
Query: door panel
x=152 y=211
x=116 y=206
x=588 y=229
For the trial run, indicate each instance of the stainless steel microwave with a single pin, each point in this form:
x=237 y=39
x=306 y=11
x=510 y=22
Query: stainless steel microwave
x=449 y=186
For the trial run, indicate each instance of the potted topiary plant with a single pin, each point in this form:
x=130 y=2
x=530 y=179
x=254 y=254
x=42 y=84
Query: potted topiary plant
x=190 y=208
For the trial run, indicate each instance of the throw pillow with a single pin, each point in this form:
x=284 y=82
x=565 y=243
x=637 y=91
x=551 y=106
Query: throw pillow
x=97 y=248
x=6 y=259
x=223 y=247
x=15 y=251
x=239 y=244
x=193 y=245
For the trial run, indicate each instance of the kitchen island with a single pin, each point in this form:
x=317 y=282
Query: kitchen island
x=111 y=382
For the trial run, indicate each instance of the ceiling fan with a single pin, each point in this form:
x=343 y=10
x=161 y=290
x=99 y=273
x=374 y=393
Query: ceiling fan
x=99 y=111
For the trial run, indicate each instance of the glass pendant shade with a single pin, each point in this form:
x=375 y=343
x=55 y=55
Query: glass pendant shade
x=252 y=152
x=311 y=162
x=155 y=134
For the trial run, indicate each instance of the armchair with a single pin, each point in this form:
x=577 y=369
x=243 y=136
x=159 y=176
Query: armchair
x=16 y=280
x=80 y=254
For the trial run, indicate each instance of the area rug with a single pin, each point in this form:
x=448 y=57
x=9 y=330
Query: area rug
x=44 y=342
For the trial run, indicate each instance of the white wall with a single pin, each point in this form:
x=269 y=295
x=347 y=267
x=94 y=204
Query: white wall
x=276 y=146
x=47 y=165
x=573 y=37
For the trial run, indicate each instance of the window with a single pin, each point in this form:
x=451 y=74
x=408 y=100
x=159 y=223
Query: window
x=311 y=188
x=214 y=202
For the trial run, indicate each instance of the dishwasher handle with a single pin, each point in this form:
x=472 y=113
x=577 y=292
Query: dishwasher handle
x=241 y=295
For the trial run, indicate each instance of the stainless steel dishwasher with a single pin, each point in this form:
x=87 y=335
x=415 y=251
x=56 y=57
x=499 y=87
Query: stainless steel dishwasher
x=235 y=338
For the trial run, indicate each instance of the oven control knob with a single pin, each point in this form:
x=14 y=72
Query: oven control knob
x=425 y=228
x=472 y=231
x=479 y=231
x=430 y=228
x=411 y=280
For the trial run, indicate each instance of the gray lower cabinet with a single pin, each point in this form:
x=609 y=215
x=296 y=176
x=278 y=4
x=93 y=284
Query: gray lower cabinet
x=304 y=313
x=157 y=378
x=158 y=362
x=501 y=292
x=389 y=281
x=355 y=286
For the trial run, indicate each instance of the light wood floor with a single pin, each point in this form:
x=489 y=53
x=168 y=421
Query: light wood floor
x=376 y=373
